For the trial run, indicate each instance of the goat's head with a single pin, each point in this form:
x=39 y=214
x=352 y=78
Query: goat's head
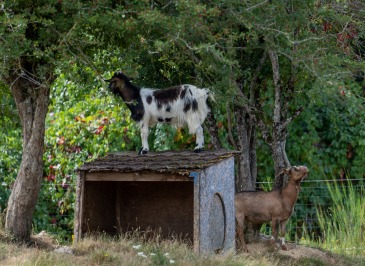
x=120 y=85
x=296 y=173
x=117 y=82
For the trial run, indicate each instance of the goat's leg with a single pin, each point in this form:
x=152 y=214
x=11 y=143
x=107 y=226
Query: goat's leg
x=144 y=136
x=240 y=219
x=242 y=238
x=240 y=228
x=199 y=139
x=282 y=235
x=274 y=230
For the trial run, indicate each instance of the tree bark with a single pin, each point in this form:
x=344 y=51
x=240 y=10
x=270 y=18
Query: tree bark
x=211 y=124
x=32 y=103
x=246 y=121
x=247 y=163
x=279 y=130
x=280 y=162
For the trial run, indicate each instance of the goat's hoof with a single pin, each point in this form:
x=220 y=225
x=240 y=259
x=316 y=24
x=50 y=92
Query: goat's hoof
x=142 y=151
x=197 y=150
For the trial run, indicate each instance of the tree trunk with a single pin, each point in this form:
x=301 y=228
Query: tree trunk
x=211 y=124
x=279 y=126
x=280 y=162
x=32 y=103
x=247 y=164
x=246 y=122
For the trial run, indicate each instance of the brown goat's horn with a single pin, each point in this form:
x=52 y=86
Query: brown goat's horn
x=282 y=172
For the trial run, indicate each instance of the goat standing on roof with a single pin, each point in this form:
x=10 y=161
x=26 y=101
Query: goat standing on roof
x=178 y=106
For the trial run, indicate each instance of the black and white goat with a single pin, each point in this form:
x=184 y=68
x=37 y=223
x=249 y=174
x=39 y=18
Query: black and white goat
x=178 y=106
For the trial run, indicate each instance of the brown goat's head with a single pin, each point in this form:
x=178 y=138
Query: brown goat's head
x=296 y=173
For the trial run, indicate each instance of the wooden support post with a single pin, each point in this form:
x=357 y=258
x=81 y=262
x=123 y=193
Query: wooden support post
x=80 y=187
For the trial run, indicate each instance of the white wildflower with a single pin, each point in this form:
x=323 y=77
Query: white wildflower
x=172 y=261
x=141 y=254
x=136 y=246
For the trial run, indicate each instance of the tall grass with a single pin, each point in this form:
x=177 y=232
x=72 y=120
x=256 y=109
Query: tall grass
x=343 y=224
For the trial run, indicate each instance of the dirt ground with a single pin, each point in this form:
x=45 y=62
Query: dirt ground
x=295 y=251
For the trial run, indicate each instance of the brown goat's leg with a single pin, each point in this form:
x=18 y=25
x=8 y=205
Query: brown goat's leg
x=282 y=235
x=240 y=219
x=274 y=231
x=274 y=228
x=241 y=237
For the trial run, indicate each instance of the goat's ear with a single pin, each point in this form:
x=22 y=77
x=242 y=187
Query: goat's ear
x=286 y=171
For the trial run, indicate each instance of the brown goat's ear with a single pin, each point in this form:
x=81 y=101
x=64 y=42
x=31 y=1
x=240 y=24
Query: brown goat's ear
x=286 y=171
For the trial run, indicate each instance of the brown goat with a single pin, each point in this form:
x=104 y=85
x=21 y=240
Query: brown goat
x=276 y=206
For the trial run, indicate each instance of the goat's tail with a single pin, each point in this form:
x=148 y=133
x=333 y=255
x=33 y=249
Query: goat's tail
x=210 y=99
x=210 y=96
x=211 y=122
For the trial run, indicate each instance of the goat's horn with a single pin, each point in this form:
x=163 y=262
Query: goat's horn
x=107 y=80
x=279 y=174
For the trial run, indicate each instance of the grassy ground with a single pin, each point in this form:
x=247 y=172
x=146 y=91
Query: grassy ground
x=343 y=229
x=134 y=250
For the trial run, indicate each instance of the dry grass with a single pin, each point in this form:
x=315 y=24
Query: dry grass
x=137 y=250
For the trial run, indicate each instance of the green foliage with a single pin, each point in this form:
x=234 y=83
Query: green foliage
x=343 y=223
x=10 y=157
x=214 y=44
x=7 y=108
x=10 y=144
x=83 y=124
x=328 y=135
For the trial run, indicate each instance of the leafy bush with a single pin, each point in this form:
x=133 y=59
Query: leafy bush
x=10 y=157
x=83 y=124
x=10 y=145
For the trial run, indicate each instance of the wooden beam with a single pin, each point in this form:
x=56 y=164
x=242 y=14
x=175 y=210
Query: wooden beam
x=79 y=208
x=146 y=177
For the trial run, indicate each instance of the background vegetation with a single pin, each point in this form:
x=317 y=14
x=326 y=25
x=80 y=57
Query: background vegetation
x=215 y=44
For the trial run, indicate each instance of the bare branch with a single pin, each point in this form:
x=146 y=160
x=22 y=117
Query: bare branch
x=284 y=125
x=257 y=71
x=257 y=5
x=265 y=132
x=229 y=125
x=276 y=77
